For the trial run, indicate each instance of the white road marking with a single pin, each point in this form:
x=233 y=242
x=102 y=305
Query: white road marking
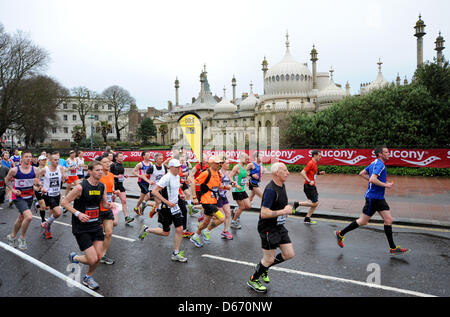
x=326 y=277
x=49 y=269
x=68 y=225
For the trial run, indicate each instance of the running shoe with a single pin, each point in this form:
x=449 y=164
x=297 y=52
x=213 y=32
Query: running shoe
x=340 y=239
x=296 y=205
x=48 y=235
x=22 y=244
x=179 y=257
x=138 y=211
x=152 y=212
x=205 y=235
x=311 y=222
x=89 y=282
x=106 y=260
x=198 y=243
x=143 y=232
x=257 y=286
x=265 y=277
x=187 y=234
x=128 y=220
x=72 y=258
x=399 y=250
x=226 y=235
x=11 y=241
x=235 y=224
x=44 y=226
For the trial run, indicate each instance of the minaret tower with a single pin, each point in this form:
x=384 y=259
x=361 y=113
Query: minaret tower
x=202 y=81
x=439 y=48
x=398 y=80
x=177 y=85
x=265 y=68
x=233 y=83
x=314 y=59
x=420 y=32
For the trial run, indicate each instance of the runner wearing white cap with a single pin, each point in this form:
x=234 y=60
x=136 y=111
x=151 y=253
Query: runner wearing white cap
x=167 y=190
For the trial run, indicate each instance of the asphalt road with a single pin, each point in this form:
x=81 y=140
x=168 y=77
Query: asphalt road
x=320 y=268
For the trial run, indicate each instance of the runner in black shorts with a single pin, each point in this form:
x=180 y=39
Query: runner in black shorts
x=167 y=190
x=86 y=222
x=52 y=176
x=273 y=234
x=376 y=175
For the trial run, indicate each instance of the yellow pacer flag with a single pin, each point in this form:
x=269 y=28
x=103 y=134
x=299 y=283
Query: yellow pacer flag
x=192 y=128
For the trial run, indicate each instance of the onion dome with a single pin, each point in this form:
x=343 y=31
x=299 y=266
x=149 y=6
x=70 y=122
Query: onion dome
x=331 y=93
x=225 y=106
x=379 y=82
x=288 y=76
x=249 y=103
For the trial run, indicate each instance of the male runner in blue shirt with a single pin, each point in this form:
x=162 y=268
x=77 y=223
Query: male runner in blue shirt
x=376 y=174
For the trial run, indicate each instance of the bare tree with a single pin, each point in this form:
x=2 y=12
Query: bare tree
x=83 y=103
x=19 y=59
x=120 y=99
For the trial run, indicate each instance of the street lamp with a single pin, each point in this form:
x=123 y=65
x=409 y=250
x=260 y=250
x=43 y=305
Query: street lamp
x=92 y=130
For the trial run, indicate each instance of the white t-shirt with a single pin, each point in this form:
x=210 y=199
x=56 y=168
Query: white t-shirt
x=72 y=164
x=80 y=164
x=172 y=183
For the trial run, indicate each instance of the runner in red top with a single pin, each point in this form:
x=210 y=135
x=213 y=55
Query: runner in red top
x=309 y=173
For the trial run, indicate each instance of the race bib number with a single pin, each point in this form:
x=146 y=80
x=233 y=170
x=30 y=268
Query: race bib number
x=214 y=191
x=281 y=220
x=27 y=193
x=109 y=197
x=54 y=186
x=93 y=213
x=243 y=181
x=121 y=178
x=175 y=210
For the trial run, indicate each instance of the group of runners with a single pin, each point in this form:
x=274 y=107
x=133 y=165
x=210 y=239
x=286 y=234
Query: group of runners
x=172 y=188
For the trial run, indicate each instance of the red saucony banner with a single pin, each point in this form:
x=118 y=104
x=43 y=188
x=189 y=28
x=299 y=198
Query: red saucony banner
x=357 y=157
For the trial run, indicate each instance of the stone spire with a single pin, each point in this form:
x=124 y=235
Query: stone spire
x=314 y=59
x=439 y=48
x=177 y=85
x=202 y=81
x=233 y=84
x=420 y=32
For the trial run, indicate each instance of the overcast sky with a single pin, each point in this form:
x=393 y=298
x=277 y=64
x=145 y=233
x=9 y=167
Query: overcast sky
x=144 y=45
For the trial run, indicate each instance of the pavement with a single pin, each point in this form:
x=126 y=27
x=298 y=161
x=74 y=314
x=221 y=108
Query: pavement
x=423 y=201
x=220 y=269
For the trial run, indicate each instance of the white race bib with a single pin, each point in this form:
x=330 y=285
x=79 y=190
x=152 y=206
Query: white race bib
x=175 y=210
